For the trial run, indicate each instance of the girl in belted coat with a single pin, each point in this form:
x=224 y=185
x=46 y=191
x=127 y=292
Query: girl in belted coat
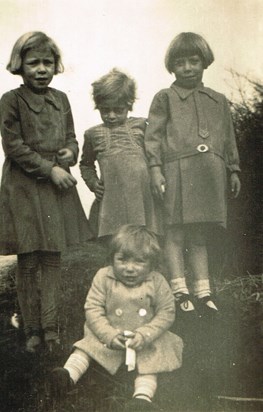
x=128 y=296
x=191 y=148
x=40 y=211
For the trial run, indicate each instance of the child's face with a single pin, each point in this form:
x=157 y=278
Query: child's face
x=113 y=115
x=188 y=71
x=38 y=69
x=130 y=270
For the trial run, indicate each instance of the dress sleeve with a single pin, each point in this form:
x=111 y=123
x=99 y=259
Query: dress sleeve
x=71 y=142
x=87 y=162
x=13 y=142
x=95 y=309
x=156 y=129
x=164 y=309
x=231 y=152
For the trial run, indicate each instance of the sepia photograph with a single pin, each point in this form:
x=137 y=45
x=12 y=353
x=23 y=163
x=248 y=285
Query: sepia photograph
x=131 y=232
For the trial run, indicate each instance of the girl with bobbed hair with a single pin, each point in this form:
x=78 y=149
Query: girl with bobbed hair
x=29 y=41
x=192 y=152
x=187 y=44
x=40 y=209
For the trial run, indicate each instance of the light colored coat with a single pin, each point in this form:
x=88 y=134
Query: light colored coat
x=111 y=307
x=196 y=182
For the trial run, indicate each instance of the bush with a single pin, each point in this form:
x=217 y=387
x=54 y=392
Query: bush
x=243 y=247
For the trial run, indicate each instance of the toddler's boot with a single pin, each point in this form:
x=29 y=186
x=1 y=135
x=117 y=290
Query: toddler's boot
x=60 y=383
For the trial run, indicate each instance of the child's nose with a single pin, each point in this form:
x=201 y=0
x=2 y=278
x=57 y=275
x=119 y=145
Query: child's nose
x=187 y=65
x=111 y=114
x=129 y=267
x=41 y=68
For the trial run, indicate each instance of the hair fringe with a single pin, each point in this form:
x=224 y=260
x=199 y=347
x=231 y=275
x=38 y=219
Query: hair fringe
x=185 y=44
x=115 y=87
x=29 y=41
x=136 y=240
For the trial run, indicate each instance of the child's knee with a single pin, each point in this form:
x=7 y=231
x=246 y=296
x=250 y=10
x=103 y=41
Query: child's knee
x=196 y=235
x=175 y=236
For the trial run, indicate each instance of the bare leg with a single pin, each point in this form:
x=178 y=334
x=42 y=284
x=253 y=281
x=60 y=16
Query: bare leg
x=198 y=259
x=173 y=250
x=174 y=255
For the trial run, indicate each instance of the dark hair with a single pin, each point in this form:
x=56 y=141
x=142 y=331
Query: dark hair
x=115 y=88
x=133 y=240
x=186 y=44
x=29 y=41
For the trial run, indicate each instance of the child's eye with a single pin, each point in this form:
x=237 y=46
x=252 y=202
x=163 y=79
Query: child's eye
x=31 y=63
x=178 y=62
x=48 y=62
x=116 y=110
x=195 y=61
x=141 y=260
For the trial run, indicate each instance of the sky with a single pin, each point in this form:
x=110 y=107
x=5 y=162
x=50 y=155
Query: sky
x=96 y=35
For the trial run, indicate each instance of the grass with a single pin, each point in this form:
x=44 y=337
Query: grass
x=221 y=357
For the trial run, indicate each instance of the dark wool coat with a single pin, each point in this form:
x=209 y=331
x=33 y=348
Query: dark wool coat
x=34 y=213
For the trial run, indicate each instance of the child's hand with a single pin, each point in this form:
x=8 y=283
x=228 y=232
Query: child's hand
x=157 y=182
x=136 y=342
x=118 y=342
x=61 y=178
x=65 y=156
x=235 y=184
x=99 y=190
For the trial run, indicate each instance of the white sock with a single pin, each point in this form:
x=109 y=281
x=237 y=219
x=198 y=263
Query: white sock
x=77 y=364
x=202 y=288
x=178 y=285
x=145 y=387
x=179 y=288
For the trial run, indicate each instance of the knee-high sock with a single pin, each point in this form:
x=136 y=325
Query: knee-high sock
x=77 y=364
x=27 y=291
x=145 y=387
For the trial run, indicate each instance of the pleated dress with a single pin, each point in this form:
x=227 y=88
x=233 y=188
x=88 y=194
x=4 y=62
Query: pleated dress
x=124 y=171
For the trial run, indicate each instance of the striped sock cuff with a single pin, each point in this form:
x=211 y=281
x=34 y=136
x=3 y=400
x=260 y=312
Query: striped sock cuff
x=145 y=385
x=77 y=365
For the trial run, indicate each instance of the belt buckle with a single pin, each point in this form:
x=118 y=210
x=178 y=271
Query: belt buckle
x=202 y=148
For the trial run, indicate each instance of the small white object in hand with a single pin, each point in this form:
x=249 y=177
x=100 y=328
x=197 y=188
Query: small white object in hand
x=130 y=359
x=15 y=321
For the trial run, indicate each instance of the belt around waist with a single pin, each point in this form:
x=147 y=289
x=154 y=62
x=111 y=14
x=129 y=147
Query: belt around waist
x=201 y=148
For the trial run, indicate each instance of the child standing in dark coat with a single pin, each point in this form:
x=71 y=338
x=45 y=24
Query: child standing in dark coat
x=39 y=206
x=191 y=148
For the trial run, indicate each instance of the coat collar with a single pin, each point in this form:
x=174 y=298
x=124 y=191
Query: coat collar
x=185 y=93
x=35 y=101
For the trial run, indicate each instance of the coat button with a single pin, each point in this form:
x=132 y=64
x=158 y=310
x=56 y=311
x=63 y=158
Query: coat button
x=142 y=312
x=118 y=312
